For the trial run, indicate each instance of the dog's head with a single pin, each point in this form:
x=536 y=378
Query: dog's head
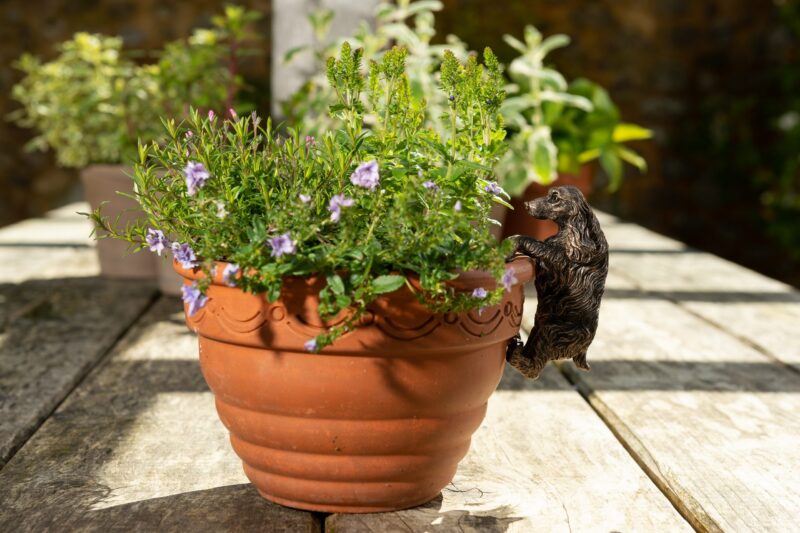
x=560 y=205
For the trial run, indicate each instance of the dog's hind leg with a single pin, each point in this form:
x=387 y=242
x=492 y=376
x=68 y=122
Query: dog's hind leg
x=524 y=359
x=580 y=361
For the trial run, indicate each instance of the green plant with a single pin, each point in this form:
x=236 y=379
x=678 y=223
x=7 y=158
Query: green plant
x=89 y=104
x=557 y=126
x=365 y=208
x=202 y=71
x=406 y=24
x=553 y=126
x=92 y=102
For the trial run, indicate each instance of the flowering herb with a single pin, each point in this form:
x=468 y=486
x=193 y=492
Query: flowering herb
x=184 y=255
x=193 y=297
x=230 y=273
x=196 y=176
x=509 y=279
x=156 y=240
x=282 y=245
x=480 y=293
x=366 y=175
x=370 y=222
x=336 y=204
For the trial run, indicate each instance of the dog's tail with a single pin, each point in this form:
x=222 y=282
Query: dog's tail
x=580 y=361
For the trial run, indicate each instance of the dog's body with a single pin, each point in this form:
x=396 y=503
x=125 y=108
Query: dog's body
x=571 y=269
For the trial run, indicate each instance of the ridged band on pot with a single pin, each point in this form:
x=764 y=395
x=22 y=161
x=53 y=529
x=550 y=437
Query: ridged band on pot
x=376 y=422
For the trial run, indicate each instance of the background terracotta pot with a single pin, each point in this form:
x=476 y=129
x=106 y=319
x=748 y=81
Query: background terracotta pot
x=100 y=184
x=519 y=222
x=376 y=422
x=169 y=281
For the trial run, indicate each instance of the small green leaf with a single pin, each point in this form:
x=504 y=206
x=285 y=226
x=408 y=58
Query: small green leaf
x=336 y=284
x=632 y=158
x=630 y=132
x=387 y=283
x=612 y=164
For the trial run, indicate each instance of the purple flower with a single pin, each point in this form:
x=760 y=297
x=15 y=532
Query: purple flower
x=310 y=141
x=229 y=274
x=493 y=188
x=305 y=198
x=192 y=296
x=480 y=292
x=196 y=176
x=188 y=134
x=457 y=205
x=311 y=345
x=233 y=114
x=282 y=244
x=211 y=114
x=430 y=185
x=366 y=175
x=336 y=204
x=509 y=279
x=184 y=255
x=156 y=240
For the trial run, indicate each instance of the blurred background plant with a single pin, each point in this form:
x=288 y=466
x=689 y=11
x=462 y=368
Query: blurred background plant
x=553 y=126
x=203 y=70
x=89 y=104
x=92 y=103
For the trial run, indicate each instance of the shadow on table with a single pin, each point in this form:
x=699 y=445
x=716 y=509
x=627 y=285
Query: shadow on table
x=703 y=296
x=227 y=508
x=661 y=375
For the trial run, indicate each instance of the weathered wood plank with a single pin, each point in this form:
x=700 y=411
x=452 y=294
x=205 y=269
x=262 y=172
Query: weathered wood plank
x=51 y=333
x=760 y=311
x=138 y=446
x=713 y=421
x=541 y=461
x=56 y=320
x=55 y=246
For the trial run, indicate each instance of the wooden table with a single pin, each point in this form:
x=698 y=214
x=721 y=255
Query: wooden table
x=689 y=419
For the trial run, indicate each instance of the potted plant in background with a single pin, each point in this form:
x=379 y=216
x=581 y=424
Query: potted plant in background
x=556 y=129
x=352 y=306
x=92 y=103
x=89 y=105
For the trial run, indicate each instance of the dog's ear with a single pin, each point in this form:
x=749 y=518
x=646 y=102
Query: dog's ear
x=591 y=236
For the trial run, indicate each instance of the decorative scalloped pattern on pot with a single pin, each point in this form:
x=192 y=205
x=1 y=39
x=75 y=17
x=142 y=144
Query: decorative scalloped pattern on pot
x=376 y=422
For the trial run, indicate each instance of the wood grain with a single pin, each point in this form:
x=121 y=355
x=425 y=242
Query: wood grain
x=715 y=422
x=758 y=310
x=541 y=461
x=56 y=321
x=138 y=446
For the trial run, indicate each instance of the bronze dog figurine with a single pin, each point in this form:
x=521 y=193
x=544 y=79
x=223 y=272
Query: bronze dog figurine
x=571 y=269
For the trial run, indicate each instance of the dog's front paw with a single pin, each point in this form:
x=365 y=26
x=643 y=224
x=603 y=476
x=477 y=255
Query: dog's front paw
x=514 y=348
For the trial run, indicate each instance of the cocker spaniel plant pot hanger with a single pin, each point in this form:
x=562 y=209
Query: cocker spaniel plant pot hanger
x=354 y=312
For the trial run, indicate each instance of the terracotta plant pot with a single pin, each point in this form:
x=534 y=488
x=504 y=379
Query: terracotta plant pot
x=376 y=422
x=100 y=184
x=519 y=222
